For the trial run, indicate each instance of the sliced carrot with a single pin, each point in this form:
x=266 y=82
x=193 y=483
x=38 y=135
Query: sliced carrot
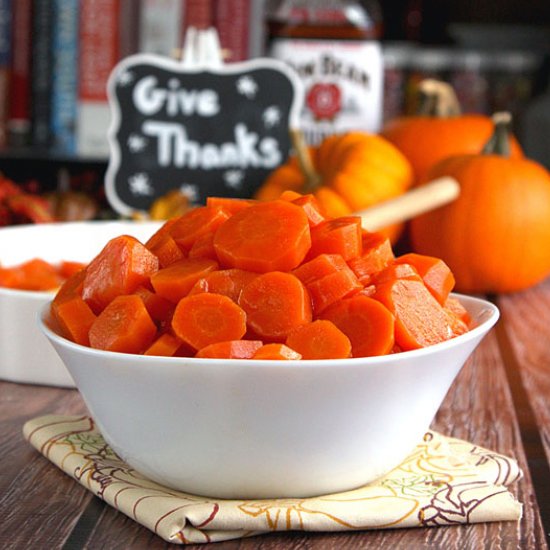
x=67 y=268
x=203 y=247
x=204 y=319
x=395 y=271
x=453 y=304
x=324 y=264
x=272 y=236
x=321 y=339
x=161 y=232
x=123 y=326
x=338 y=236
x=377 y=254
x=75 y=317
x=333 y=287
x=175 y=282
x=229 y=282
x=276 y=352
x=166 y=250
x=420 y=320
x=122 y=266
x=71 y=288
x=234 y=349
x=230 y=205
x=275 y=303
x=195 y=223
x=435 y=273
x=312 y=208
x=166 y=345
x=35 y=274
x=159 y=308
x=366 y=322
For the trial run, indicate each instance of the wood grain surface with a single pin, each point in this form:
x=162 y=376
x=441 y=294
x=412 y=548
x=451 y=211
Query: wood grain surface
x=500 y=400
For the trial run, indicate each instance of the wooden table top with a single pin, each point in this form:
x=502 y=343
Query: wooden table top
x=499 y=401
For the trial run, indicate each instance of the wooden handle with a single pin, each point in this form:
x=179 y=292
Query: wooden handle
x=421 y=199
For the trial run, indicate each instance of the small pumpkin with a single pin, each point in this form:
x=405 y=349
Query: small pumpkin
x=346 y=173
x=439 y=129
x=496 y=236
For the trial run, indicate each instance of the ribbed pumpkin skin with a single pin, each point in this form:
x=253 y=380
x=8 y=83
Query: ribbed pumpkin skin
x=496 y=236
x=426 y=140
x=357 y=170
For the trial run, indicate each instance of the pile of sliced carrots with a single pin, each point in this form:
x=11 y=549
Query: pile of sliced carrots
x=240 y=279
x=37 y=274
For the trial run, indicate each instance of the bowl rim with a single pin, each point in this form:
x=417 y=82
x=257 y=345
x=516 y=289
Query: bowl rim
x=477 y=331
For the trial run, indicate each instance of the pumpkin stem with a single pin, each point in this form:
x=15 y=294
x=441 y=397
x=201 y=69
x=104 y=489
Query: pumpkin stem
x=499 y=142
x=437 y=99
x=313 y=179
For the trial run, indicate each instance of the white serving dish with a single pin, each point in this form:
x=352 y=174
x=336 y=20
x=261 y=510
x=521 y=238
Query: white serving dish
x=25 y=355
x=258 y=429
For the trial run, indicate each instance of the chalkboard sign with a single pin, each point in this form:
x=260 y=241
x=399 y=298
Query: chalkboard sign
x=215 y=131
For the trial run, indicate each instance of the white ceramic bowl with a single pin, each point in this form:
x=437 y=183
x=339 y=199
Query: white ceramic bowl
x=258 y=429
x=25 y=355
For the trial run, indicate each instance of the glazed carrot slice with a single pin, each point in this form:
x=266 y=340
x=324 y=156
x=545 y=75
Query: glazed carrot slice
x=377 y=254
x=453 y=304
x=321 y=339
x=67 y=269
x=234 y=349
x=420 y=320
x=312 y=208
x=366 y=322
x=230 y=205
x=159 y=308
x=69 y=289
x=166 y=250
x=272 y=236
x=122 y=266
x=395 y=271
x=161 y=232
x=338 y=236
x=436 y=274
x=333 y=287
x=166 y=345
x=203 y=247
x=204 y=319
x=276 y=352
x=275 y=303
x=35 y=274
x=175 y=282
x=229 y=282
x=75 y=318
x=123 y=326
x=324 y=264
x=195 y=223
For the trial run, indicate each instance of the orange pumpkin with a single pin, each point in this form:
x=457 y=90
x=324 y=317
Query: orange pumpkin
x=346 y=173
x=439 y=130
x=496 y=236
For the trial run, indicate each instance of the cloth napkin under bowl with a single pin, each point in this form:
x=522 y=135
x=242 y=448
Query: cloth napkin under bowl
x=444 y=481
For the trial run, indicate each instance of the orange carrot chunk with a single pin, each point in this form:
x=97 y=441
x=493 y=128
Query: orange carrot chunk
x=324 y=264
x=338 y=236
x=452 y=304
x=309 y=203
x=75 y=318
x=123 y=326
x=203 y=247
x=122 y=266
x=195 y=223
x=230 y=205
x=420 y=320
x=275 y=303
x=229 y=282
x=35 y=274
x=366 y=322
x=166 y=345
x=159 y=308
x=395 y=271
x=319 y=340
x=234 y=349
x=204 y=319
x=276 y=352
x=435 y=273
x=70 y=289
x=67 y=268
x=175 y=282
x=329 y=289
x=272 y=236
x=167 y=251
x=161 y=232
x=377 y=254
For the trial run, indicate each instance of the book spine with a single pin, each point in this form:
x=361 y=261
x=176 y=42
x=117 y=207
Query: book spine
x=19 y=115
x=99 y=43
x=232 y=18
x=5 y=55
x=41 y=81
x=160 y=26
x=64 y=80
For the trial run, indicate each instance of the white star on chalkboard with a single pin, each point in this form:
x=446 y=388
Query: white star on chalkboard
x=136 y=143
x=247 y=86
x=125 y=78
x=271 y=116
x=233 y=179
x=140 y=184
x=191 y=191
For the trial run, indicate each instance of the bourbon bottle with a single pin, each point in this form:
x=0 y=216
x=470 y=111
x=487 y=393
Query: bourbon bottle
x=334 y=47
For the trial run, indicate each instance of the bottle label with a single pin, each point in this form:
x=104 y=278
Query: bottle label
x=342 y=80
